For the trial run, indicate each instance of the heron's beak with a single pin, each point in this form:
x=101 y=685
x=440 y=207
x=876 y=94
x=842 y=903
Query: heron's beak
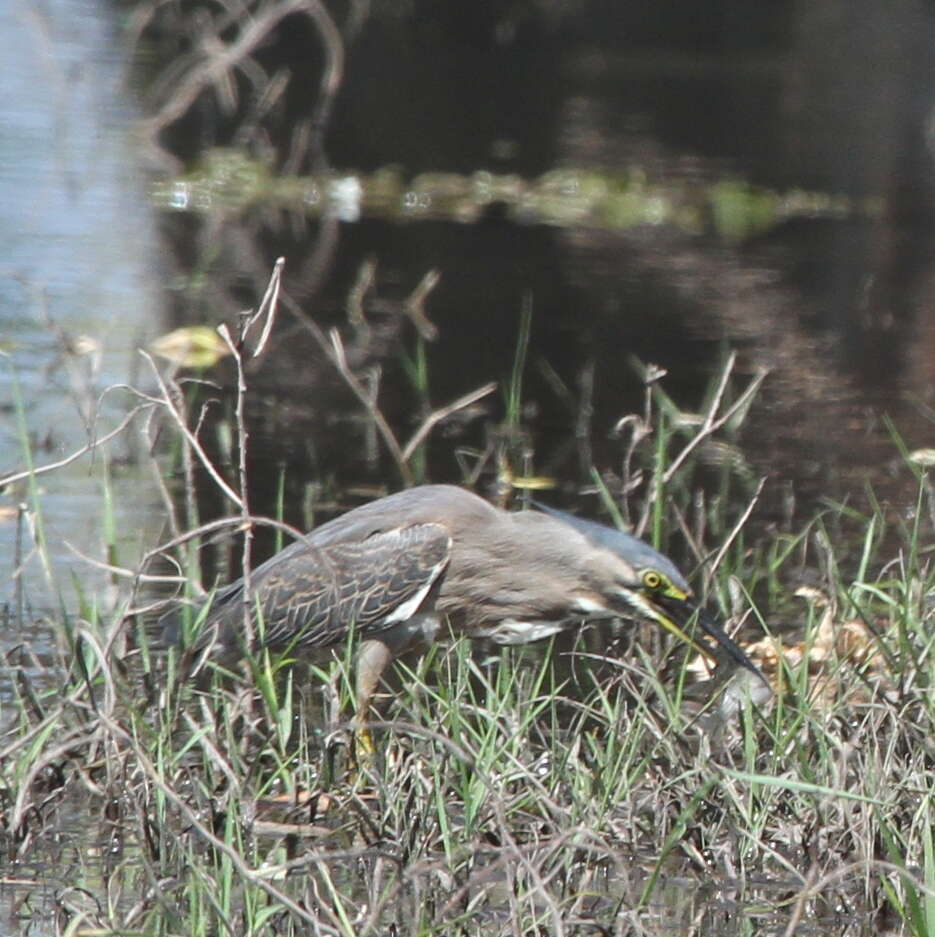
x=675 y=614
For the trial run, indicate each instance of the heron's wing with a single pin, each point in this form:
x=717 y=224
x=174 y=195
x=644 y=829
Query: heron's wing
x=314 y=597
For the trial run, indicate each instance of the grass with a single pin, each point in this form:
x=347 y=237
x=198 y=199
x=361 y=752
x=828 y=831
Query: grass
x=577 y=788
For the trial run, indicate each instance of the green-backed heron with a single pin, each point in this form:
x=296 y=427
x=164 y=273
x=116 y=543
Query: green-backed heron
x=392 y=570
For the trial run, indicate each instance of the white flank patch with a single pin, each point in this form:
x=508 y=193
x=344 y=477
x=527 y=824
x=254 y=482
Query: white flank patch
x=511 y=631
x=408 y=608
x=590 y=606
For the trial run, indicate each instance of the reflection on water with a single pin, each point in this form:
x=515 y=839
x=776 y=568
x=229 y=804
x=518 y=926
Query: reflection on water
x=76 y=296
x=228 y=181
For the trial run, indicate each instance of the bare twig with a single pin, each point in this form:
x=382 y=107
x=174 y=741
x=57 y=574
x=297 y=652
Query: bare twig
x=190 y=436
x=732 y=536
x=268 y=307
x=215 y=68
x=415 y=306
x=712 y=423
x=331 y=77
x=119 y=571
x=436 y=416
x=354 y=305
x=247 y=594
x=339 y=358
x=84 y=450
x=151 y=437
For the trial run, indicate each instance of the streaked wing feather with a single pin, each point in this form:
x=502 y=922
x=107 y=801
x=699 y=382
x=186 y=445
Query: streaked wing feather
x=314 y=597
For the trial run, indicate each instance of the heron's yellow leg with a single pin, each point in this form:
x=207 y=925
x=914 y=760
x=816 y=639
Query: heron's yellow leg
x=372 y=659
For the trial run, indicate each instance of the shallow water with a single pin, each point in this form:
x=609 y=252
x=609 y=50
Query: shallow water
x=77 y=290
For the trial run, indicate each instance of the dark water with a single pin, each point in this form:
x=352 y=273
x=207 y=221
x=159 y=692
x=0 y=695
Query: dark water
x=835 y=305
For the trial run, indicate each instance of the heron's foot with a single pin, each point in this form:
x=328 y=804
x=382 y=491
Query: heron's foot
x=363 y=759
x=365 y=750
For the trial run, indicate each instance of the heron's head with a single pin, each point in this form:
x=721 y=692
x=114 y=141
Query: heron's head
x=633 y=580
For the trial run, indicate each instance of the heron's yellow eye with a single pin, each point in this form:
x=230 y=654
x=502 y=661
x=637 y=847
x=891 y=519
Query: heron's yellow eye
x=652 y=579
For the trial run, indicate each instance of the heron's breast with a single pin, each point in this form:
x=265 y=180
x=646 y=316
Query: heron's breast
x=513 y=631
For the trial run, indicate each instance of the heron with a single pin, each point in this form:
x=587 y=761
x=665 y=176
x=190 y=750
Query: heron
x=390 y=572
